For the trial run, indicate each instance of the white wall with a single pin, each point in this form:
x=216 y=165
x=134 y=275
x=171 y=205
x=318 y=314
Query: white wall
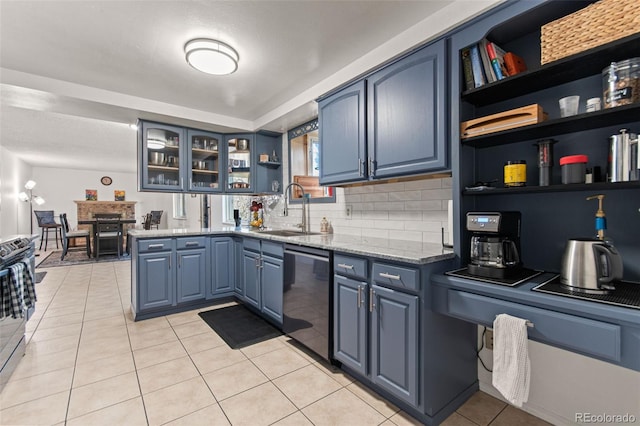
x=60 y=187
x=564 y=383
x=14 y=214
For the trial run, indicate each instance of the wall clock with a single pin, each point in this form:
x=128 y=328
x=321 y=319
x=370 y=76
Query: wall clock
x=106 y=180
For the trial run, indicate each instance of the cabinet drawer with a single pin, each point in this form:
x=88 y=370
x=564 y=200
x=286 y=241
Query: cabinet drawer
x=584 y=335
x=273 y=249
x=251 y=244
x=350 y=266
x=396 y=276
x=154 y=245
x=190 y=242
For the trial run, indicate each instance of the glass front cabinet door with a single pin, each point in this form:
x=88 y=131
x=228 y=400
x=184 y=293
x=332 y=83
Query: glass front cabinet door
x=205 y=161
x=161 y=154
x=239 y=162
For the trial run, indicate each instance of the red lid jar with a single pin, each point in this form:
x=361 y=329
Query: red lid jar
x=573 y=168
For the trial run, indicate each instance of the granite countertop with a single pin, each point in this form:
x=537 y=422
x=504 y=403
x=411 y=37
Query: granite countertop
x=384 y=248
x=30 y=237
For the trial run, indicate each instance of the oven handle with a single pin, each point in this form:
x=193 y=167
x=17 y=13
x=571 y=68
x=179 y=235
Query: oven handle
x=311 y=256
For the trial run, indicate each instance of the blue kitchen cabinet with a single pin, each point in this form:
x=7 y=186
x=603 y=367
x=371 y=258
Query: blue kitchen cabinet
x=394 y=342
x=162 y=156
x=222 y=265
x=205 y=161
x=191 y=272
x=251 y=277
x=392 y=123
x=407 y=125
x=376 y=323
x=263 y=277
x=272 y=281
x=155 y=277
x=266 y=172
x=238 y=286
x=343 y=135
x=350 y=323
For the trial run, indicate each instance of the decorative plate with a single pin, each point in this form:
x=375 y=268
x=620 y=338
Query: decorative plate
x=106 y=180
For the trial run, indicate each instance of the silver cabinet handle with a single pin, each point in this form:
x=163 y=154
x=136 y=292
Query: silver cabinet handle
x=359 y=297
x=371 y=296
x=181 y=182
x=371 y=171
x=155 y=246
x=391 y=277
x=190 y=183
x=191 y=244
x=360 y=166
x=342 y=265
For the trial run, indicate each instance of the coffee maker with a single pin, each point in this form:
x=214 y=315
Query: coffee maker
x=495 y=244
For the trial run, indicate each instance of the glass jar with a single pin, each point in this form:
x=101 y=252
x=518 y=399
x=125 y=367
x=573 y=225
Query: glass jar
x=515 y=173
x=621 y=83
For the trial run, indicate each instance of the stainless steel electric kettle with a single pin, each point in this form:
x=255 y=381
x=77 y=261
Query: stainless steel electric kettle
x=590 y=265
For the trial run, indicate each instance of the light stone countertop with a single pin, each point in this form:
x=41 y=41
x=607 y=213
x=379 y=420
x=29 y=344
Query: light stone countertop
x=383 y=248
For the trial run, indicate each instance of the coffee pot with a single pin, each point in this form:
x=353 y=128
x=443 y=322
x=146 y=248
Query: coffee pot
x=495 y=244
x=590 y=265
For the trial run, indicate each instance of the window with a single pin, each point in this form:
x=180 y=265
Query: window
x=232 y=202
x=179 y=206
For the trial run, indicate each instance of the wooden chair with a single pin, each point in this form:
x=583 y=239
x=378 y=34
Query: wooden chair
x=156 y=215
x=108 y=230
x=67 y=235
x=47 y=223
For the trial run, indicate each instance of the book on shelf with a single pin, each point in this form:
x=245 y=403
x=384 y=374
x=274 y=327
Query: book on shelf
x=496 y=55
x=514 y=63
x=486 y=62
x=476 y=64
x=467 y=68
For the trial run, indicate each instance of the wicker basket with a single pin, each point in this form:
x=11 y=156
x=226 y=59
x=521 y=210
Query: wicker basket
x=597 y=24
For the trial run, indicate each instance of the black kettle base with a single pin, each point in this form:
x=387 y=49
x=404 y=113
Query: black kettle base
x=523 y=275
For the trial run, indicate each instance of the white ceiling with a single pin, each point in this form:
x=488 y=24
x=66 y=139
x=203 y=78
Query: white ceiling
x=74 y=73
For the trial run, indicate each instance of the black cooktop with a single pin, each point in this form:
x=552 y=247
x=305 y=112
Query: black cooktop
x=626 y=294
x=518 y=277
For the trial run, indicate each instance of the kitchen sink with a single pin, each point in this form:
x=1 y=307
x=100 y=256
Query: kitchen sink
x=287 y=233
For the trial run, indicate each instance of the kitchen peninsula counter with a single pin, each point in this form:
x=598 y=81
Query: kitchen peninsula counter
x=383 y=248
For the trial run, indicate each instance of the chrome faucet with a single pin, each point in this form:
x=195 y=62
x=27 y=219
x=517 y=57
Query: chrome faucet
x=305 y=225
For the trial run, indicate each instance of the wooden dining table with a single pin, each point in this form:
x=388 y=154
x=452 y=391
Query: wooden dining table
x=93 y=222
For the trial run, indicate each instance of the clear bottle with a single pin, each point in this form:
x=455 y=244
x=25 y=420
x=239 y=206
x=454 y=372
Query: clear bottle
x=324 y=225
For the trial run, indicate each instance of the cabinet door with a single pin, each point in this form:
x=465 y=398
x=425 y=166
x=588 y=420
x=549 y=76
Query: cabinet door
x=205 y=161
x=272 y=287
x=266 y=172
x=350 y=323
x=394 y=343
x=191 y=275
x=162 y=158
x=238 y=269
x=407 y=115
x=222 y=266
x=251 y=277
x=240 y=162
x=342 y=135
x=156 y=284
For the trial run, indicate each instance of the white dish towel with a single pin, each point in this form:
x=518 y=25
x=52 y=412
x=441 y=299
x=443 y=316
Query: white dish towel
x=511 y=366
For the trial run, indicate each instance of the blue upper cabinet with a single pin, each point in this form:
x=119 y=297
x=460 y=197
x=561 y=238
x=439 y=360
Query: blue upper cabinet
x=162 y=155
x=393 y=123
x=241 y=158
x=205 y=161
x=342 y=135
x=407 y=115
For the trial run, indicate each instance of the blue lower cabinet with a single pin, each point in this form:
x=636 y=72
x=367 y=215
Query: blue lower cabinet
x=192 y=275
x=350 y=323
x=394 y=342
x=222 y=266
x=251 y=277
x=156 y=284
x=272 y=287
x=238 y=286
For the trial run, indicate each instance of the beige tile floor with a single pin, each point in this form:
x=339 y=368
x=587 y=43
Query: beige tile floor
x=89 y=363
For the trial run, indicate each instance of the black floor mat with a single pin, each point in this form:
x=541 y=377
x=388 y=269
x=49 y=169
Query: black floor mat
x=40 y=276
x=238 y=326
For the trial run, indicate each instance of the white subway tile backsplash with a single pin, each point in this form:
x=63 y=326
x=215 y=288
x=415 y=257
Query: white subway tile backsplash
x=413 y=211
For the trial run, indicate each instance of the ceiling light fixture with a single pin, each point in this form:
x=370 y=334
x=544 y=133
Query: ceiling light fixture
x=211 y=56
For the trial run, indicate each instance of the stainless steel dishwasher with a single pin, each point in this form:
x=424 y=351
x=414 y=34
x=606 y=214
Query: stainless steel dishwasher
x=307 y=302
